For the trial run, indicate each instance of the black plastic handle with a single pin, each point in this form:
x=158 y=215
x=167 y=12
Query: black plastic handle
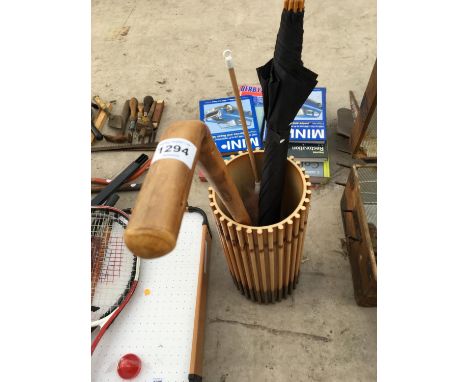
x=112 y=200
x=147 y=102
x=119 y=180
x=96 y=132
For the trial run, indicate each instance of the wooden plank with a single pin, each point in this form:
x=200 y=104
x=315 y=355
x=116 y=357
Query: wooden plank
x=198 y=338
x=368 y=105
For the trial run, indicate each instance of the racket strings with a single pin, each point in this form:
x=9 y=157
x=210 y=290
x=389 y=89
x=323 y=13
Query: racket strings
x=101 y=228
x=112 y=264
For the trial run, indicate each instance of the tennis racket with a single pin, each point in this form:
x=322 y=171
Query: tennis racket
x=114 y=269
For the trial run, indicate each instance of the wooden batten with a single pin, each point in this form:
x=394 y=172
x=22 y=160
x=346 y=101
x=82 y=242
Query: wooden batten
x=252 y=265
x=280 y=248
x=302 y=213
x=198 y=338
x=294 y=255
x=241 y=255
x=271 y=261
x=254 y=262
x=306 y=217
x=261 y=257
x=225 y=250
x=236 y=261
x=287 y=266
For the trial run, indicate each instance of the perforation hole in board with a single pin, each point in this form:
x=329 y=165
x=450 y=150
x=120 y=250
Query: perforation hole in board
x=158 y=327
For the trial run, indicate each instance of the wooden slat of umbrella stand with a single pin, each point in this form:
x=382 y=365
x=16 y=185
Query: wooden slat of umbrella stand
x=306 y=204
x=280 y=262
x=255 y=264
x=251 y=260
x=243 y=256
x=302 y=212
x=237 y=261
x=306 y=217
x=289 y=231
x=271 y=261
x=227 y=255
x=294 y=255
x=301 y=253
x=261 y=256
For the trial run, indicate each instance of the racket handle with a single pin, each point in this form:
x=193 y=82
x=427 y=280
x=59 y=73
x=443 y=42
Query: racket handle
x=155 y=222
x=112 y=200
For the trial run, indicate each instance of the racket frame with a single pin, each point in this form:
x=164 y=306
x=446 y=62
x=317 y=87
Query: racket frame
x=109 y=316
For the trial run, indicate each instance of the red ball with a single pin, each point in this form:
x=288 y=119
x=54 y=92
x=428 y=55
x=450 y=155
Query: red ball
x=129 y=366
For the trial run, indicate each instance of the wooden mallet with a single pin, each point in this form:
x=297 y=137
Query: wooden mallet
x=155 y=221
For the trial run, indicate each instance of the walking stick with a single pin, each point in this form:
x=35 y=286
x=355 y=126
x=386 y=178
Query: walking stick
x=252 y=202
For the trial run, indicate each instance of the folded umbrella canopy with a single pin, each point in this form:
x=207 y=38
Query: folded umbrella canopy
x=286 y=85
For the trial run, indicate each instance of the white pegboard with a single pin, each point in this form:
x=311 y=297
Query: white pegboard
x=158 y=327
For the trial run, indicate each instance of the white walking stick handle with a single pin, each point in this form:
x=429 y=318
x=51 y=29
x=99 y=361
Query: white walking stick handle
x=227 y=54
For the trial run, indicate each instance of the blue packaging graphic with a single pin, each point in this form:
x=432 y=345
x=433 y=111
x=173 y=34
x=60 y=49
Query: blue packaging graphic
x=222 y=118
x=311 y=120
x=256 y=92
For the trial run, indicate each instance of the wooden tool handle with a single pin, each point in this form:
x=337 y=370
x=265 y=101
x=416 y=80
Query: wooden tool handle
x=155 y=222
x=147 y=102
x=140 y=110
x=159 y=108
x=133 y=108
x=120 y=138
x=151 y=111
x=125 y=114
x=102 y=105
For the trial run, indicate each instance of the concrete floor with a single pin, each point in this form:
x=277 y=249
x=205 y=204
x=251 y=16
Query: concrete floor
x=172 y=50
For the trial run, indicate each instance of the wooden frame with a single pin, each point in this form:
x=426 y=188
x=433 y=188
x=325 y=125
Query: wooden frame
x=361 y=135
x=362 y=256
x=198 y=340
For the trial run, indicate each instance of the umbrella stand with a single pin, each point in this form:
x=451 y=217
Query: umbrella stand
x=264 y=262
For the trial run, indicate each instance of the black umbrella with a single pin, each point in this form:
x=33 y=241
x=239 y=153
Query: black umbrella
x=286 y=85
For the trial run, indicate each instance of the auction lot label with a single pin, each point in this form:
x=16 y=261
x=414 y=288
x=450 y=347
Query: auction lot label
x=176 y=148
